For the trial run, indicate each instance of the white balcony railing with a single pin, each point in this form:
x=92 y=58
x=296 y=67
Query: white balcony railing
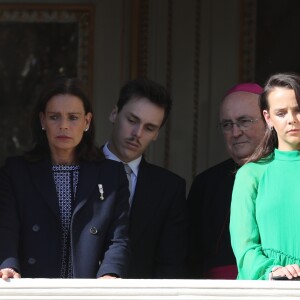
x=86 y=289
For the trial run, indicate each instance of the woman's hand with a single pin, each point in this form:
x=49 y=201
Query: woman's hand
x=107 y=276
x=9 y=273
x=289 y=271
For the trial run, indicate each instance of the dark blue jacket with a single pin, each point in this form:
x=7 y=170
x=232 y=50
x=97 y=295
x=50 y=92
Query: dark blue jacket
x=30 y=226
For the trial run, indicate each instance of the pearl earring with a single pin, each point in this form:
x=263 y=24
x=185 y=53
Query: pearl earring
x=86 y=129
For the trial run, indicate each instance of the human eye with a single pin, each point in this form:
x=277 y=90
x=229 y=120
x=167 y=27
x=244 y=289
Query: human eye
x=245 y=122
x=226 y=126
x=131 y=120
x=280 y=113
x=53 y=117
x=73 y=117
x=150 y=128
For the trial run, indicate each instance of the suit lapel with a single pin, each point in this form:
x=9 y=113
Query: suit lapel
x=45 y=183
x=88 y=177
x=145 y=201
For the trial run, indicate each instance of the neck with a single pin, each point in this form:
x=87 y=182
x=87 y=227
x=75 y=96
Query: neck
x=113 y=150
x=63 y=158
x=239 y=162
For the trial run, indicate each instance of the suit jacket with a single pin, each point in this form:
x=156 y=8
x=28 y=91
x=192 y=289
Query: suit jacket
x=158 y=224
x=30 y=225
x=209 y=202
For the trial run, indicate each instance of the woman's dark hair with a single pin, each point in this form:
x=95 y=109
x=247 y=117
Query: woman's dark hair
x=270 y=140
x=62 y=85
x=146 y=88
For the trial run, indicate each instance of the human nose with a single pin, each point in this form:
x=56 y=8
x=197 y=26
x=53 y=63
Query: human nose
x=292 y=118
x=236 y=130
x=64 y=124
x=138 y=131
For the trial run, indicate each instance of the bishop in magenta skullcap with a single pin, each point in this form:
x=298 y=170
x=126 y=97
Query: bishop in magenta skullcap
x=249 y=87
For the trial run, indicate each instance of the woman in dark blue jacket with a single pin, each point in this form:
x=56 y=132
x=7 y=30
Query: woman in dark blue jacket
x=63 y=208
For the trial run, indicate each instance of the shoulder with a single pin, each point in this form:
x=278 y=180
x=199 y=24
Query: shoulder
x=103 y=164
x=159 y=173
x=255 y=169
x=224 y=165
x=108 y=163
x=104 y=168
x=224 y=168
x=16 y=168
x=15 y=161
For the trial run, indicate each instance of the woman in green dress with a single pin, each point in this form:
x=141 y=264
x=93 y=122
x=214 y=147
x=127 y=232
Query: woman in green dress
x=265 y=209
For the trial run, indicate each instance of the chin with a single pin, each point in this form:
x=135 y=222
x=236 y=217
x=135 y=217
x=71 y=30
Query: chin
x=243 y=155
x=126 y=158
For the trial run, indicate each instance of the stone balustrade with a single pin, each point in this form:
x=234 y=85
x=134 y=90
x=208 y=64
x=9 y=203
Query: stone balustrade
x=130 y=289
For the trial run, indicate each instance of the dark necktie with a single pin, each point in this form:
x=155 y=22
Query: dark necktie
x=128 y=173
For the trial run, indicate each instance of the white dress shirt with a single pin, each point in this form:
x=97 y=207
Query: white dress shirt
x=134 y=165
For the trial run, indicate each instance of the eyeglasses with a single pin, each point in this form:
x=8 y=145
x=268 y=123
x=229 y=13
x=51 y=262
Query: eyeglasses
x=242 y=124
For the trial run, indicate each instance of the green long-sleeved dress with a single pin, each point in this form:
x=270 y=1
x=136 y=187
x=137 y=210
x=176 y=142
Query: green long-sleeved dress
x=265 y=215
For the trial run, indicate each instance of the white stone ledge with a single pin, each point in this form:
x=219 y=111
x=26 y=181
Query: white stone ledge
x=129 y=289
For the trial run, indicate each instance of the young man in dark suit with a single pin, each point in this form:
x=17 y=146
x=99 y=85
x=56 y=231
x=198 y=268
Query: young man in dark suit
x=158 y=224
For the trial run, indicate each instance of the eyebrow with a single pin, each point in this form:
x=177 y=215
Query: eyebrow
x=57 y=112
x=246 y=117
x=285 y=108
x=148 y=124
x=239 y=118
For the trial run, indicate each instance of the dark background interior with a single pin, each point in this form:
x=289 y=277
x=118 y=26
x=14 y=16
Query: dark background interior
x=277 y=38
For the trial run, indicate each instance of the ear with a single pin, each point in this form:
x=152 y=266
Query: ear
x=88 y=118
x=113 y=114
x=42 y=119
x=267 y=118
x=156 y=136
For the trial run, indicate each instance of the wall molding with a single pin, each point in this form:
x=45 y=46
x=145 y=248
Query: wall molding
x=248 y=40
x=169 y=68
x=196 y=93
x=139 y=38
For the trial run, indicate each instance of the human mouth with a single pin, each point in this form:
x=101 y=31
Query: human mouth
x=293 y=130
x=131 y=145
x=63 y=137
x=239 y=143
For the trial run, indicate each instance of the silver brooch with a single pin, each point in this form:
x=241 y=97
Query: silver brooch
x=101 y=191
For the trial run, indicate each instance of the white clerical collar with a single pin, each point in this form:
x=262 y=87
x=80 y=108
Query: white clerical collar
x=134 y=164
